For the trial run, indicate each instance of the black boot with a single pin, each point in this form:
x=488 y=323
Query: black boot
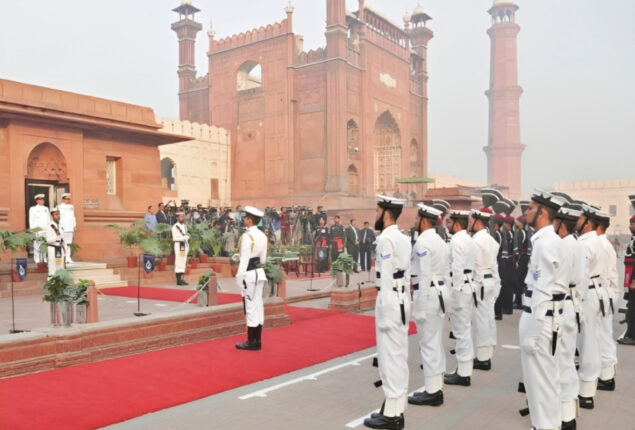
x=456 y=379
x=425 y=398
x=180 y=280
x=629 y=336
x=586 y=402
x=608 y=385
x=384 y=422
x=482 y=365
x=258 y=337
x=250 y=345
x=569 y=425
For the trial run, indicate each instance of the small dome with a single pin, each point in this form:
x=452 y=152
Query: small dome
x=419 y=9
x=497 y=2
x=186 y=2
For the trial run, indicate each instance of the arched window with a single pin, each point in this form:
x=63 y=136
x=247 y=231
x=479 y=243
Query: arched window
x=168 y=174
x=352 y=136
x=353 y=179
x=249 y=76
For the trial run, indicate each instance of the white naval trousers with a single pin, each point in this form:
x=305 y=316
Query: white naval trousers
x=483 y=317
x=460 y=310
x=392 y=347
x=567 y=341
x=39 y=257
x=180 y=257
x=254 y=305
x=429 y=318
x=608 y=346
x=68 y=239
x=540 y=372
x=55 y=263
x=588 y=342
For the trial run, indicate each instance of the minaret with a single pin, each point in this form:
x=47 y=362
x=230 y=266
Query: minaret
x=504 y=149
x=186 y=29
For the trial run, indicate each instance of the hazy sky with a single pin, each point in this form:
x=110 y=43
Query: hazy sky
x=576 y=66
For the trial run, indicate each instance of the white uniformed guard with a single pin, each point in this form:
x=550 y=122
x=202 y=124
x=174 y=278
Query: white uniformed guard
x=429 y=263
x=55 y=244
x=573 y=268
x=392 y=313
x=39 y=217
x=542 y=309
x=181 y=247
x=251 y=278
x=67 y=222
x=462 y=297
x=488 y=285
x=594 y=307
x=608 y=346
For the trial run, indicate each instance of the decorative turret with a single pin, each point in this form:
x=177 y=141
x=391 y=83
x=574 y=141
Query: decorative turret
x=186 y=29
x=420 y=35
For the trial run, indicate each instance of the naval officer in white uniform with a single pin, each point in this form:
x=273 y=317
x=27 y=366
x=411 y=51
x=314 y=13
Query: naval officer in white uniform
x=55 y=244
x=67 y=223
x=39 y=217
x=181 y=247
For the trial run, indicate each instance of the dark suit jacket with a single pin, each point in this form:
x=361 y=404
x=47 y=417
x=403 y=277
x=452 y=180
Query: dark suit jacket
x=162 y=218
x=370 y=236
x=350 y=236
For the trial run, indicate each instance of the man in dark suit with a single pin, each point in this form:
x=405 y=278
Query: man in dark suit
x=162 y=218
x=352 y=243
x=366 y=239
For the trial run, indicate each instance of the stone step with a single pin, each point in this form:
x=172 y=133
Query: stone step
x=109 y=284
x=99 y=278
x=85 y=265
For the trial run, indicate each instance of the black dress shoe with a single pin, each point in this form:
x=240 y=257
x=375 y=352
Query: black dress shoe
x=425 y=398
x=482 y=365
x=456 y=379
x=383 y=422
x=249 y=346
x=498 y=317
x=569 y=425
x=626 y=341
x=586 y=402
x=608 y=385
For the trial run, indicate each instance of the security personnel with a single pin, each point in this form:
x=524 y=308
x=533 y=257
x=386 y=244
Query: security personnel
x=573 y=264
x=367 y=237
x=39 y=217
x=608 y=347
x=463 y=297
x=251 y=278
x=594 y=305
x=429 y=263
x=629 y=283
x=521 y=252
x=55 y=244
x=542 y=309
x=337 y=238
x=392 y=313
x=488 y=287
x=67 y=223
x=507 y=266
x=181 y=247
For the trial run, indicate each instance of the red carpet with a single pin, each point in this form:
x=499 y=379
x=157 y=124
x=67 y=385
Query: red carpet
x=167 y=294
x=98 y=394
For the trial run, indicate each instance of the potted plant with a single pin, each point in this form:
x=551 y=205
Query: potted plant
x=203 y=288
x=163 y=236
x=79 y=297
x=342 y=268
x=13 y=241
x=130 y=238
x=58 y=287
x=306 y=251
x=273 y=273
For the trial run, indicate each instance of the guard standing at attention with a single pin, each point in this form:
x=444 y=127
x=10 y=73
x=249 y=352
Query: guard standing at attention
x=181 y=247
x=67 y=223
x=392 y=313
x=429 y=263
x=629 y=284
x=542 y=310
x=463 y=297
x=251 y=278
x=39 y=217
x=488 y=287
x=55 y=242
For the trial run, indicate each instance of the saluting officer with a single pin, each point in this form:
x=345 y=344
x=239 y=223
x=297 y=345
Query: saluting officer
x=594 y=307
x=392 y=313
x=67 y=223
x=55 y=243
x=542 y=309
x=488 y=287
x=251 y=278
x=463 y=297
x=429 y=265
x=39 y=217
x=181 y=247
x=573 y=267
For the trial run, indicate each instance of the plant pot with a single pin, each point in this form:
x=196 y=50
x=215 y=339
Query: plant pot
x=171 y=259
x=54 y=320
x=162 y=265
x=202 y=298
x=340 y=279
x=42 y=268
x=193 y=262
x=218 y=267
x=234 y=269
x=203 y=258
x=132 y=261
x=65 y=312
x=80 y=314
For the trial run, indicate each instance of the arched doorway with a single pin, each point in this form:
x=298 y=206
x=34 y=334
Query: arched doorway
x=168 y=174
x=387 y=161
x=46 y=173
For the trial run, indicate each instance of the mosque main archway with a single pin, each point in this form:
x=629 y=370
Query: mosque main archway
x=387 y=156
